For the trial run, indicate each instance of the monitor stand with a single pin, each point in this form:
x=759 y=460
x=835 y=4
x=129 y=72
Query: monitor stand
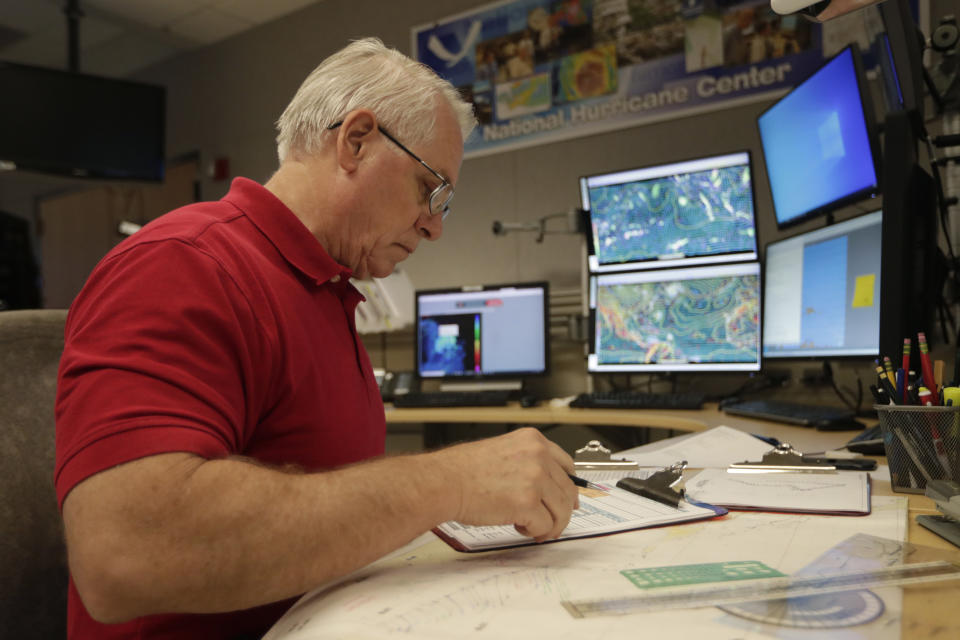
x=483 y=385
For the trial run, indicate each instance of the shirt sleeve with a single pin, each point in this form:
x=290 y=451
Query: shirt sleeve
x=161 y=348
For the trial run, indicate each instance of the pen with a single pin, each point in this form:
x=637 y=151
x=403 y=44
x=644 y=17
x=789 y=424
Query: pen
x=902 y=385
x=580 y=482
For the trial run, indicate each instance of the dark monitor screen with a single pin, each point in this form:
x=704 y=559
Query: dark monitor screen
x=899 y=53
x=81 y=125
x=683 y=213
x=819 y=142
x=821 y=291
x=483 y=332
x=704 y=318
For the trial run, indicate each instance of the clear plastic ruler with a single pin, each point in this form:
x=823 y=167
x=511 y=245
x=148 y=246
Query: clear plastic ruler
x=714 y=594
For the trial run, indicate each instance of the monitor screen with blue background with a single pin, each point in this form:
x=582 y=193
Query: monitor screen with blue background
x=819 y=143
x=821 y=293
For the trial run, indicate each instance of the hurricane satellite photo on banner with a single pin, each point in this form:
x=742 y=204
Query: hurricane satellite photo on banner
x=538 y=71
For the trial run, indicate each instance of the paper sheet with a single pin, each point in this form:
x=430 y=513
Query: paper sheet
x=717 y=447
x=600 y=512
x=434 y=592
x=843 y=492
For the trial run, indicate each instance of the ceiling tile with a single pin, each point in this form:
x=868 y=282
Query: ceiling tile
x=154 y=13
x=125 y=54
x=207 y=26
x=47 y=48
x=258 y=11
x=32 y=15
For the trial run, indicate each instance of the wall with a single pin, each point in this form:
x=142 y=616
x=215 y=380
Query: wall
x=224 y=99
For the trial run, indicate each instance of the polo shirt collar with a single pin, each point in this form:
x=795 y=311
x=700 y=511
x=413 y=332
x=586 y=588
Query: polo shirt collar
x=285 y=230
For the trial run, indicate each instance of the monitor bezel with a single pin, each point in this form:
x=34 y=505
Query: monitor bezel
x=542 y=285
x=765 y=300
x=870 y=123
x=595 y=267
x=687 y=367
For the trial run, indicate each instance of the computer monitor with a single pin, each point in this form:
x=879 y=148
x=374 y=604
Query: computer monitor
x=698 y=211
x=821 y=292
x=819 y=142
x=485 y=332
x=704 y=318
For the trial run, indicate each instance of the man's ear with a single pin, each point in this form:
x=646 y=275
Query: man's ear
x=353 y=137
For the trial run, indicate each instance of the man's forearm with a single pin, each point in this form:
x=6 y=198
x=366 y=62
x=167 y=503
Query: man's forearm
x=227 y=534
x=176 y=533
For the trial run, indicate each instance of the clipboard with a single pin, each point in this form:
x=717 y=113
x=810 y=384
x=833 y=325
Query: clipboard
x=603 y=511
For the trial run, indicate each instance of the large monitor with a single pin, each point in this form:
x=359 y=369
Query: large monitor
x=821 y=292
x=704 y=318
x=485 y=332
x=679 y=214
x=819 y=142
x=81 y=125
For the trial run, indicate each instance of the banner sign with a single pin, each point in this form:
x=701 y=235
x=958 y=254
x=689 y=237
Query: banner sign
x=539 y=71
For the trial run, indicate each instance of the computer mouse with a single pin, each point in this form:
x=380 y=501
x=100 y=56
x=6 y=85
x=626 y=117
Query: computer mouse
x=529 y=401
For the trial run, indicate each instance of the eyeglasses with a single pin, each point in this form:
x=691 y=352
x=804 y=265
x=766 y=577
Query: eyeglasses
x=441 y=196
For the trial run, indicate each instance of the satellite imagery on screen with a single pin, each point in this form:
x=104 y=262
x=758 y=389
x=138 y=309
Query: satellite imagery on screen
x=701 y=213
x=702 y=320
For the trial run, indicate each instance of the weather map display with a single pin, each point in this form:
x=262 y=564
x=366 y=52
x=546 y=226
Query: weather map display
x=702 y=318
x=694 y=212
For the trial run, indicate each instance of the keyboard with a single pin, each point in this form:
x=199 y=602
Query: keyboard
x=638 y=400
x=869 y=442
x=489 y=398
x=803 y=414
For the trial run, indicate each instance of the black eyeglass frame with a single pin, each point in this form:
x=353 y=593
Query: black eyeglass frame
x=443 y=209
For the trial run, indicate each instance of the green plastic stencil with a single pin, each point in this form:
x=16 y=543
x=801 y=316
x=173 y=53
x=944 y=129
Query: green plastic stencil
x=684 y=574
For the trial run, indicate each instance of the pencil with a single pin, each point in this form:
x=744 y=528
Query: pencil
x=926 y=366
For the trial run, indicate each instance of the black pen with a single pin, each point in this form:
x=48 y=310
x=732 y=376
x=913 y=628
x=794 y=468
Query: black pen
x=580 y=482
x=586 y=484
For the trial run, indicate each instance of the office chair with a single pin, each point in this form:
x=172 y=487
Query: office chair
x=33 y=564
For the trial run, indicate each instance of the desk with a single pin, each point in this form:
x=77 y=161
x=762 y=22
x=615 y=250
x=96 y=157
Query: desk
x=929 y=611
x=678 y=420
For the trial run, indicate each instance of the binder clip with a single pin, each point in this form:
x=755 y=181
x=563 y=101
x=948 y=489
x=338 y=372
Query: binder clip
x=664 y=486
x=782 y=459
x=596 y=457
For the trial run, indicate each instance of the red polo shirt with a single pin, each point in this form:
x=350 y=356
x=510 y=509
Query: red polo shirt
x=222 y=328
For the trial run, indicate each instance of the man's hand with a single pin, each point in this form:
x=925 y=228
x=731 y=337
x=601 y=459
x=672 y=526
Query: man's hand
x=520 y=478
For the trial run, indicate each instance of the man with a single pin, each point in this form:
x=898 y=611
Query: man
x=215 y=402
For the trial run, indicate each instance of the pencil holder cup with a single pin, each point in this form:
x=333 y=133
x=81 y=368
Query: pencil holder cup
x=921 y=443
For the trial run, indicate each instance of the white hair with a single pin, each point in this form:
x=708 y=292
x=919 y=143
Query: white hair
x=404 y=95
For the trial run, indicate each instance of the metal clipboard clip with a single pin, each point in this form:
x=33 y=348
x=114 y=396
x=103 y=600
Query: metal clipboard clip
x=596 y=457
x=664 y=486
x=782 y=459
